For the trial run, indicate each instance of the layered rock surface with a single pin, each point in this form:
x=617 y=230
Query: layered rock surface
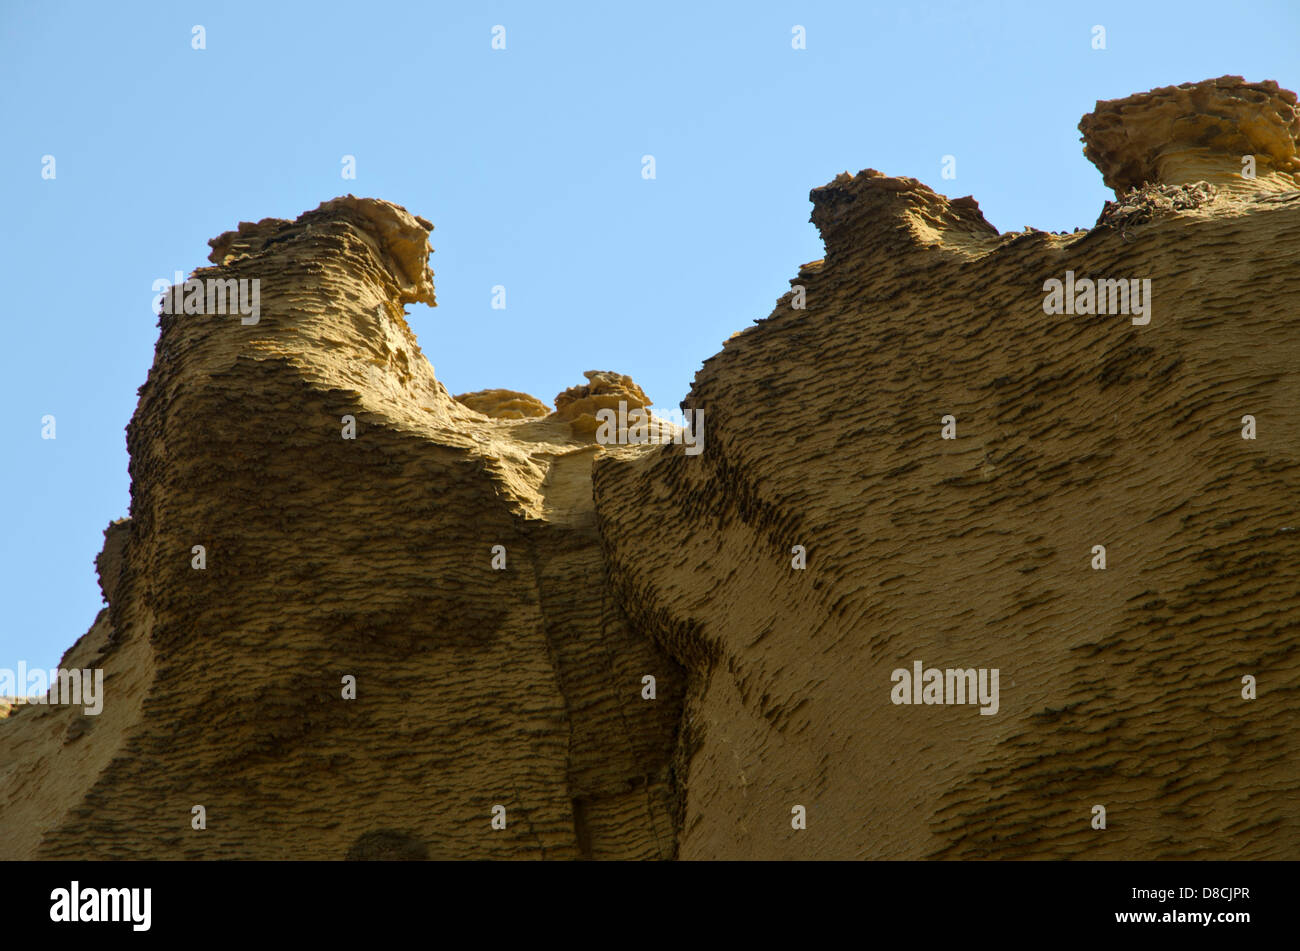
x=1198 y=132
x=372 y=557
x=1119 y=687
x=329 y=557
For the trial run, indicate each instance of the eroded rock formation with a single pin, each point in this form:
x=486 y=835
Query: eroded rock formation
x=1119 y=687
x=328 y=557
x=503 y=404
x=604 y=390
x=373 y=557
x=1198 y=132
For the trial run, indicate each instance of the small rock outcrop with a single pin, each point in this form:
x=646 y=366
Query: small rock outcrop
x=1198 y=132
x=604 y=390
x=504 y=404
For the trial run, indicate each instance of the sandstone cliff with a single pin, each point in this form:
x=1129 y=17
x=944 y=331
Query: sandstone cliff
x=373 y=556
x=328 y=557
x=1119 y=687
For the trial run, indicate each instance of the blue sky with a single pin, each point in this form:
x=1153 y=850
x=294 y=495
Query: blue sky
x=527 y=161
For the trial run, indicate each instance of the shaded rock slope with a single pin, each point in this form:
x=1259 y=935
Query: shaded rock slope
x=826 y=536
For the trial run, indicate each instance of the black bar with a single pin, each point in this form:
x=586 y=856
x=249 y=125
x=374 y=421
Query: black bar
x=452 y=903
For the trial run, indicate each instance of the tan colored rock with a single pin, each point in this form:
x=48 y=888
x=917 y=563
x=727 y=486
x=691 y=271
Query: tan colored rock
x=329 y=557
x=372 y=557
x=504 y=404
x=1120 y=687
x=604 y=389
x=1198 y=132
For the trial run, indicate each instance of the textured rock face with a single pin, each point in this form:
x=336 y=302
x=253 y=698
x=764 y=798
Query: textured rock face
x=503 y=404
x=1198 y=132
x=604 y=390
x=348 y=509
x=329 y=557
x=1120 y=687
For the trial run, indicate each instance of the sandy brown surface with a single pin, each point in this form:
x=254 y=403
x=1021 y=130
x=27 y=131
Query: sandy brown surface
x=373 y=557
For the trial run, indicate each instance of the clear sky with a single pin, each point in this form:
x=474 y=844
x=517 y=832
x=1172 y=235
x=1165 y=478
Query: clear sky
x=528 y=161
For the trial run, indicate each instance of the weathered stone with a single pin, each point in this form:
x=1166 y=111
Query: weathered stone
x=500 y=585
